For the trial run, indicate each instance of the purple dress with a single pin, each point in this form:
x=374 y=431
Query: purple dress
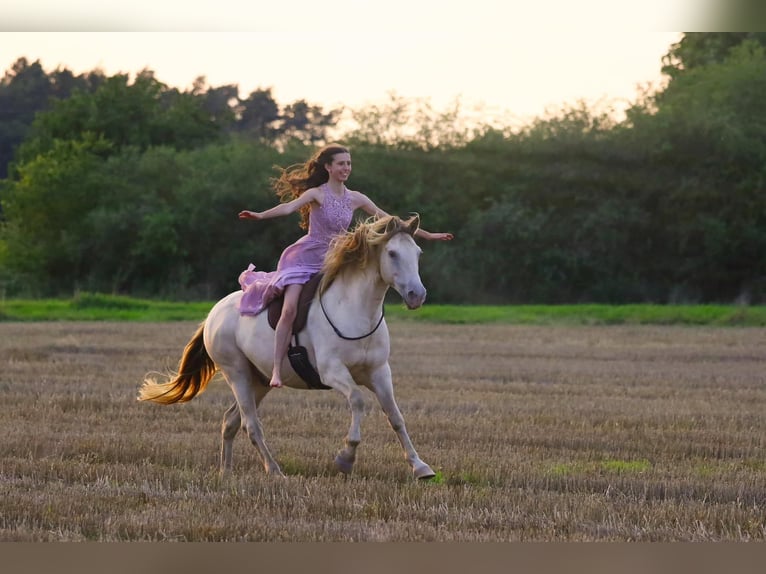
x=301 y=260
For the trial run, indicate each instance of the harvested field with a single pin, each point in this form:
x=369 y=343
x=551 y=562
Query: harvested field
x=537 y=433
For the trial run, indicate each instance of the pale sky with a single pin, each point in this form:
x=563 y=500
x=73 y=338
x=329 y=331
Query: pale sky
x=498 y=57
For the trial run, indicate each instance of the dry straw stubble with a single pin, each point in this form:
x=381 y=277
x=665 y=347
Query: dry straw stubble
x=537 y=433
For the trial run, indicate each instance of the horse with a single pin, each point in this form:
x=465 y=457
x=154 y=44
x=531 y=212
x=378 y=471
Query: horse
x=345 y=334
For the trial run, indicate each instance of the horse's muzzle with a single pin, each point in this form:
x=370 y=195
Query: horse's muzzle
x=414 y=298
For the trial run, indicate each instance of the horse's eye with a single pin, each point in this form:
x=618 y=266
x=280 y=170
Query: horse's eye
x=393 y=254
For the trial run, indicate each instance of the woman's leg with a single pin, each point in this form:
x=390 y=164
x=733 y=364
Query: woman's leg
x=284 y=331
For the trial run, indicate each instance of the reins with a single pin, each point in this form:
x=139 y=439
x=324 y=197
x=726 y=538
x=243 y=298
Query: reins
x=341 y=335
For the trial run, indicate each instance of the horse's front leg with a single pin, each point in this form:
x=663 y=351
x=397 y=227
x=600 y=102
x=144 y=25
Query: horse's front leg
x=338 y=377
x=383 y=388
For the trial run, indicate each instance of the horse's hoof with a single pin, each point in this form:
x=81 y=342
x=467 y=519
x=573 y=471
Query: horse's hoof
x=423 y=472
x=343 y=465
x=275 y=471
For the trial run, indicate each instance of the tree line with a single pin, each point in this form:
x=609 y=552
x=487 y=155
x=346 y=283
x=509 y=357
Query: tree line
x=133 y=187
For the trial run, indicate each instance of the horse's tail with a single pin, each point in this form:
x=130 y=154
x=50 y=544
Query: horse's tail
x=195 y=370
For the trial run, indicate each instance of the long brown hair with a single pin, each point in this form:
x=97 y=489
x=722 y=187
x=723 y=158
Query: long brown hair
x=297 y=178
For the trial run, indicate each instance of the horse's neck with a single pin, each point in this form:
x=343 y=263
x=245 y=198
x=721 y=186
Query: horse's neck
x=358 y=293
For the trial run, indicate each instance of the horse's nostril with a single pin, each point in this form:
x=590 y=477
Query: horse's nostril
x=415 y=298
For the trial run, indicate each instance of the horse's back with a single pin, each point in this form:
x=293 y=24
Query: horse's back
x=225 y=329
x=220 y=320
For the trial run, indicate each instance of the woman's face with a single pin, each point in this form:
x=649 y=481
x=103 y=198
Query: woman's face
x=340 y=168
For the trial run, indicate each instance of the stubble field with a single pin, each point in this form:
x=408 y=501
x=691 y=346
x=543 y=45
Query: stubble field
x=636 y=433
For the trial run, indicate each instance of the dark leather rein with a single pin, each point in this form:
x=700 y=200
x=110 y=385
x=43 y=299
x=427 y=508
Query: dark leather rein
x=341 y=335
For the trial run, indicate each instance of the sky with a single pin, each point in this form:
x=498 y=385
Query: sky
x=497 y=58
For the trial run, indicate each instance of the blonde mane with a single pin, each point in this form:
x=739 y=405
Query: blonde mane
x=355 y=247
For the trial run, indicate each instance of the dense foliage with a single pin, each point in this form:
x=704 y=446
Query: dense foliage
x=132 y=187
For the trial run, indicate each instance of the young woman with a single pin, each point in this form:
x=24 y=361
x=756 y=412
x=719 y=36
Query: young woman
x=317 y=189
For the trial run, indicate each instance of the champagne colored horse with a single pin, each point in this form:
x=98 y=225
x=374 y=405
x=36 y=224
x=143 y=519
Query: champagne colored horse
x=341 y=337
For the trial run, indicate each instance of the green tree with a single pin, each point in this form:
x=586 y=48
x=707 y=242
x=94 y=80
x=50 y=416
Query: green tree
x=46 y=235
x=26 y=89
x=409 y=124
x=219 y=103
x=141 y=113
x=708 y=126
x=259 y=116
x=306 y=123
x=699 y=49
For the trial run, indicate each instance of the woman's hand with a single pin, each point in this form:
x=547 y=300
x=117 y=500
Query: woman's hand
x=250 y=215
x=435 y=236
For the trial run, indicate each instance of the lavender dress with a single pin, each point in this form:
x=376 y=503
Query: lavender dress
x=301 y=260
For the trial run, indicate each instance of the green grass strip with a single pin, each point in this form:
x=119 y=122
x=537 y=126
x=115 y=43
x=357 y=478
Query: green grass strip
x=639 y=314
x=97 y=307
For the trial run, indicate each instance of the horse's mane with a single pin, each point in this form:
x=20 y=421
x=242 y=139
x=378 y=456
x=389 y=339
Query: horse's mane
x=354 y=247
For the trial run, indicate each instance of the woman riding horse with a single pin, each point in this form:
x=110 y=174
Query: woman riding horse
x=348 y=352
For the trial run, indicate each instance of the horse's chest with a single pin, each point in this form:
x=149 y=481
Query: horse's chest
x=362 y=356
x=356 y=355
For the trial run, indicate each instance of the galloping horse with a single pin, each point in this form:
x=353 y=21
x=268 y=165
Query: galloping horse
x=345 y=335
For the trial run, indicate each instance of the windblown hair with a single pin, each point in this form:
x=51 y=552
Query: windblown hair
x=294 y=180
x=355 y=247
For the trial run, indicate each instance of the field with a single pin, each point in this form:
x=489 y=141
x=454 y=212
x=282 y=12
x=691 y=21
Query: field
x=538 y=433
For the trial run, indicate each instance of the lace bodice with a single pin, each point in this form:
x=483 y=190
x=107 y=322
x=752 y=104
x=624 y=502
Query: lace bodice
x=332 y=217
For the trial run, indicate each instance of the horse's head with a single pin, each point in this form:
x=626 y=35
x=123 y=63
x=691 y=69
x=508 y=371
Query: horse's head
x=399 y=261
x=391 y=240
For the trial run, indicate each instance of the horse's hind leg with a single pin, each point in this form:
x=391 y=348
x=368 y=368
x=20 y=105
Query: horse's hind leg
x=232 y=422
x=248 y=391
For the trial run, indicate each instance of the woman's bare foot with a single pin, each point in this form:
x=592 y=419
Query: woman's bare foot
x=276 y=381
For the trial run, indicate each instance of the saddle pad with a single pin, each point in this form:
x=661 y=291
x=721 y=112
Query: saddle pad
x=304 y=303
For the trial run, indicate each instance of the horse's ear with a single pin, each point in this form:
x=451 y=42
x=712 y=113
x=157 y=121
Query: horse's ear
x=413 y=224
x=391 y=226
